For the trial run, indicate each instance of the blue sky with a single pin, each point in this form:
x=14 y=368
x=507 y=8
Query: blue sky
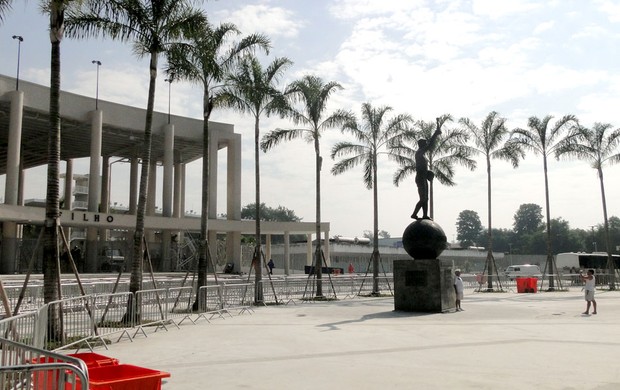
x=426 y=58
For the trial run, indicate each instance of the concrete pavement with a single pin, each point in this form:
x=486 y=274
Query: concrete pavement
x=500 y=341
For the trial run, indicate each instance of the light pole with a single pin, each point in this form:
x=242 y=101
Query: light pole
x=97 y=90
x=169 y=80
x=20 y=39
x=109 y=183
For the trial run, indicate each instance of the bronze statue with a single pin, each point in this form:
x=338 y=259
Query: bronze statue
x=423 y=174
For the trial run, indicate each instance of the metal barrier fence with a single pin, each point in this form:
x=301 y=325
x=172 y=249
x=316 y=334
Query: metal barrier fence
x=89 y=320
x=25 y=367
x=151 y=310
x=238 y=296
x=23 y=328
x=210 y=302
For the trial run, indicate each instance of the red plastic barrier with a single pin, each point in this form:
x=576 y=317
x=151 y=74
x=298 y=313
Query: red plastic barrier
x=527 y=285
x=94 y=360
x=125 y=377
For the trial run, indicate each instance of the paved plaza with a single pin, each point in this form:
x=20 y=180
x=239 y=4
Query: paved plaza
x=501 y=341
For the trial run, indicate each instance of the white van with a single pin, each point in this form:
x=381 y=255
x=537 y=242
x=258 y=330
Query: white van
x=522 y=271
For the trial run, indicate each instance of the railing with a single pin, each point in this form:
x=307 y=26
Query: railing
x=82 y=322
x=26 y=367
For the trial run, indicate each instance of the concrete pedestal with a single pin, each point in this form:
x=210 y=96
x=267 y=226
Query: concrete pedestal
x=423 y=286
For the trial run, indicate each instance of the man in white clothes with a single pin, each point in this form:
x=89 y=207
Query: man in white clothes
x=458 y=289
x=589 y=290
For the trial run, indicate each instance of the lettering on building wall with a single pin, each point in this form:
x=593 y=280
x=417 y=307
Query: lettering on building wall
x=95 y=217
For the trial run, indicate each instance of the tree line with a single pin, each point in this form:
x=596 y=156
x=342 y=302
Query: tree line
x=528 y=235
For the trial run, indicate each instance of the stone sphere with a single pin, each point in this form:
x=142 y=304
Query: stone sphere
x=424 y=239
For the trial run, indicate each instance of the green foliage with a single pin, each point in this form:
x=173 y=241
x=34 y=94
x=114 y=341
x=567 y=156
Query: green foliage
x=528 y=219
x=280 y=213
x=468 y=228
x=277 y=214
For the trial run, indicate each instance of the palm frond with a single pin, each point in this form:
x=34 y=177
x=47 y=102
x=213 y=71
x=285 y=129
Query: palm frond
x=274 y=137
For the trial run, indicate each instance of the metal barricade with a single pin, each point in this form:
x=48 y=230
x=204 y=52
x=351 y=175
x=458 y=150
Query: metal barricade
x=179 y=301
x=111 y=315
x=210 y=302
x=151 y=310
x=22 y=328
x=26 y=367
x=238 y=296
x=32 y=300
x=363 y=285
x=296 y=288
x=70 y=322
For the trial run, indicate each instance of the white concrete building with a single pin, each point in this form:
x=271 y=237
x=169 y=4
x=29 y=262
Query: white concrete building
x=113 y=131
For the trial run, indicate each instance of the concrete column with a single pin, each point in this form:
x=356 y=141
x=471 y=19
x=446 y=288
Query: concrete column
x=177 y=210
x=9 y=263
x=309 y=249
x=326 y=246
x=287 y=253
x=105 y=185
x=183 y=186
x=213 y=152
x=212 y=240
x=94 y=188
x=105 y=196
x=167 y=195
x=150 y=202
x=22 y=180
x=13 y=155
x=268 y=246
x=212 y=212
x=134 y=185
x=68 y=195
x=233 y=195
x=168 y=181
x=177 y=207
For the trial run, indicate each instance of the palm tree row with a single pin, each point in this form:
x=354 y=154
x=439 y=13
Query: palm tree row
x=197 y=51
x=493 y=140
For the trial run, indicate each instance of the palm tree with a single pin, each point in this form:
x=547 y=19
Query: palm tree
x=543 y=140
x=208 y=61
x=373 y=135
x=153 y=26
x=489 y=142
x=598 y=147
x=253 y=89
x=51 y=265
x=313 y=94
x=5 y=5
x=450 y=148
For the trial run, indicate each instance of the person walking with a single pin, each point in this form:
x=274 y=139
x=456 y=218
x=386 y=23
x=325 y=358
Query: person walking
x=590 y=286
x=271 y=266
x=458 y=289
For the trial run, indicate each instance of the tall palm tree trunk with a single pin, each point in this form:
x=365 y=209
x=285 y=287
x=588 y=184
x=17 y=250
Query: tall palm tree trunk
x=258 y=291
x=135 y=281
x=375 y=240
x=51 y=266
x=318 y=253
x=550 y=263
x=490 y=262
x=204 y=213
x=611 y=266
